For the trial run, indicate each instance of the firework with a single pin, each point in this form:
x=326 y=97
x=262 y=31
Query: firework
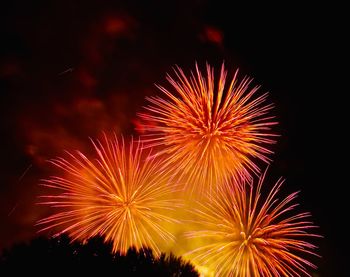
x=208 y=131
x=243 y=235
x=122 y=195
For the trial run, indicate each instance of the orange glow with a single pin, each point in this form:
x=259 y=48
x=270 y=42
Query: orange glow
x=122 y=195
x=209 y=131
x=241 y=234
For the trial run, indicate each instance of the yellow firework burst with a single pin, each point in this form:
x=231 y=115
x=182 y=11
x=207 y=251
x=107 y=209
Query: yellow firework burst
x=122 y=195
x=243 y=235
x=209 y=131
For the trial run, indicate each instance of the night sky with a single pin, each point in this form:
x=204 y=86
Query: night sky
x=72 y=69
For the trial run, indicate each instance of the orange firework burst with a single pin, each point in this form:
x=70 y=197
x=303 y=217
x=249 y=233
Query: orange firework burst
x=122 y=195
x=209 y=132
x=245 y=236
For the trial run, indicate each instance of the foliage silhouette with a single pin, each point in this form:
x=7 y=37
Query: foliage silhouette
x=60 y=255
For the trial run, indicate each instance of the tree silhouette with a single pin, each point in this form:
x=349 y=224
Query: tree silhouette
x=60 y=255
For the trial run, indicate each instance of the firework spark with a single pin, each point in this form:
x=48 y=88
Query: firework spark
x=122 y=195
x=242 y=235
x=209 y=133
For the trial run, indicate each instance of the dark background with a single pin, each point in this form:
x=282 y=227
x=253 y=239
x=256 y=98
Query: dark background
x=71 y=69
